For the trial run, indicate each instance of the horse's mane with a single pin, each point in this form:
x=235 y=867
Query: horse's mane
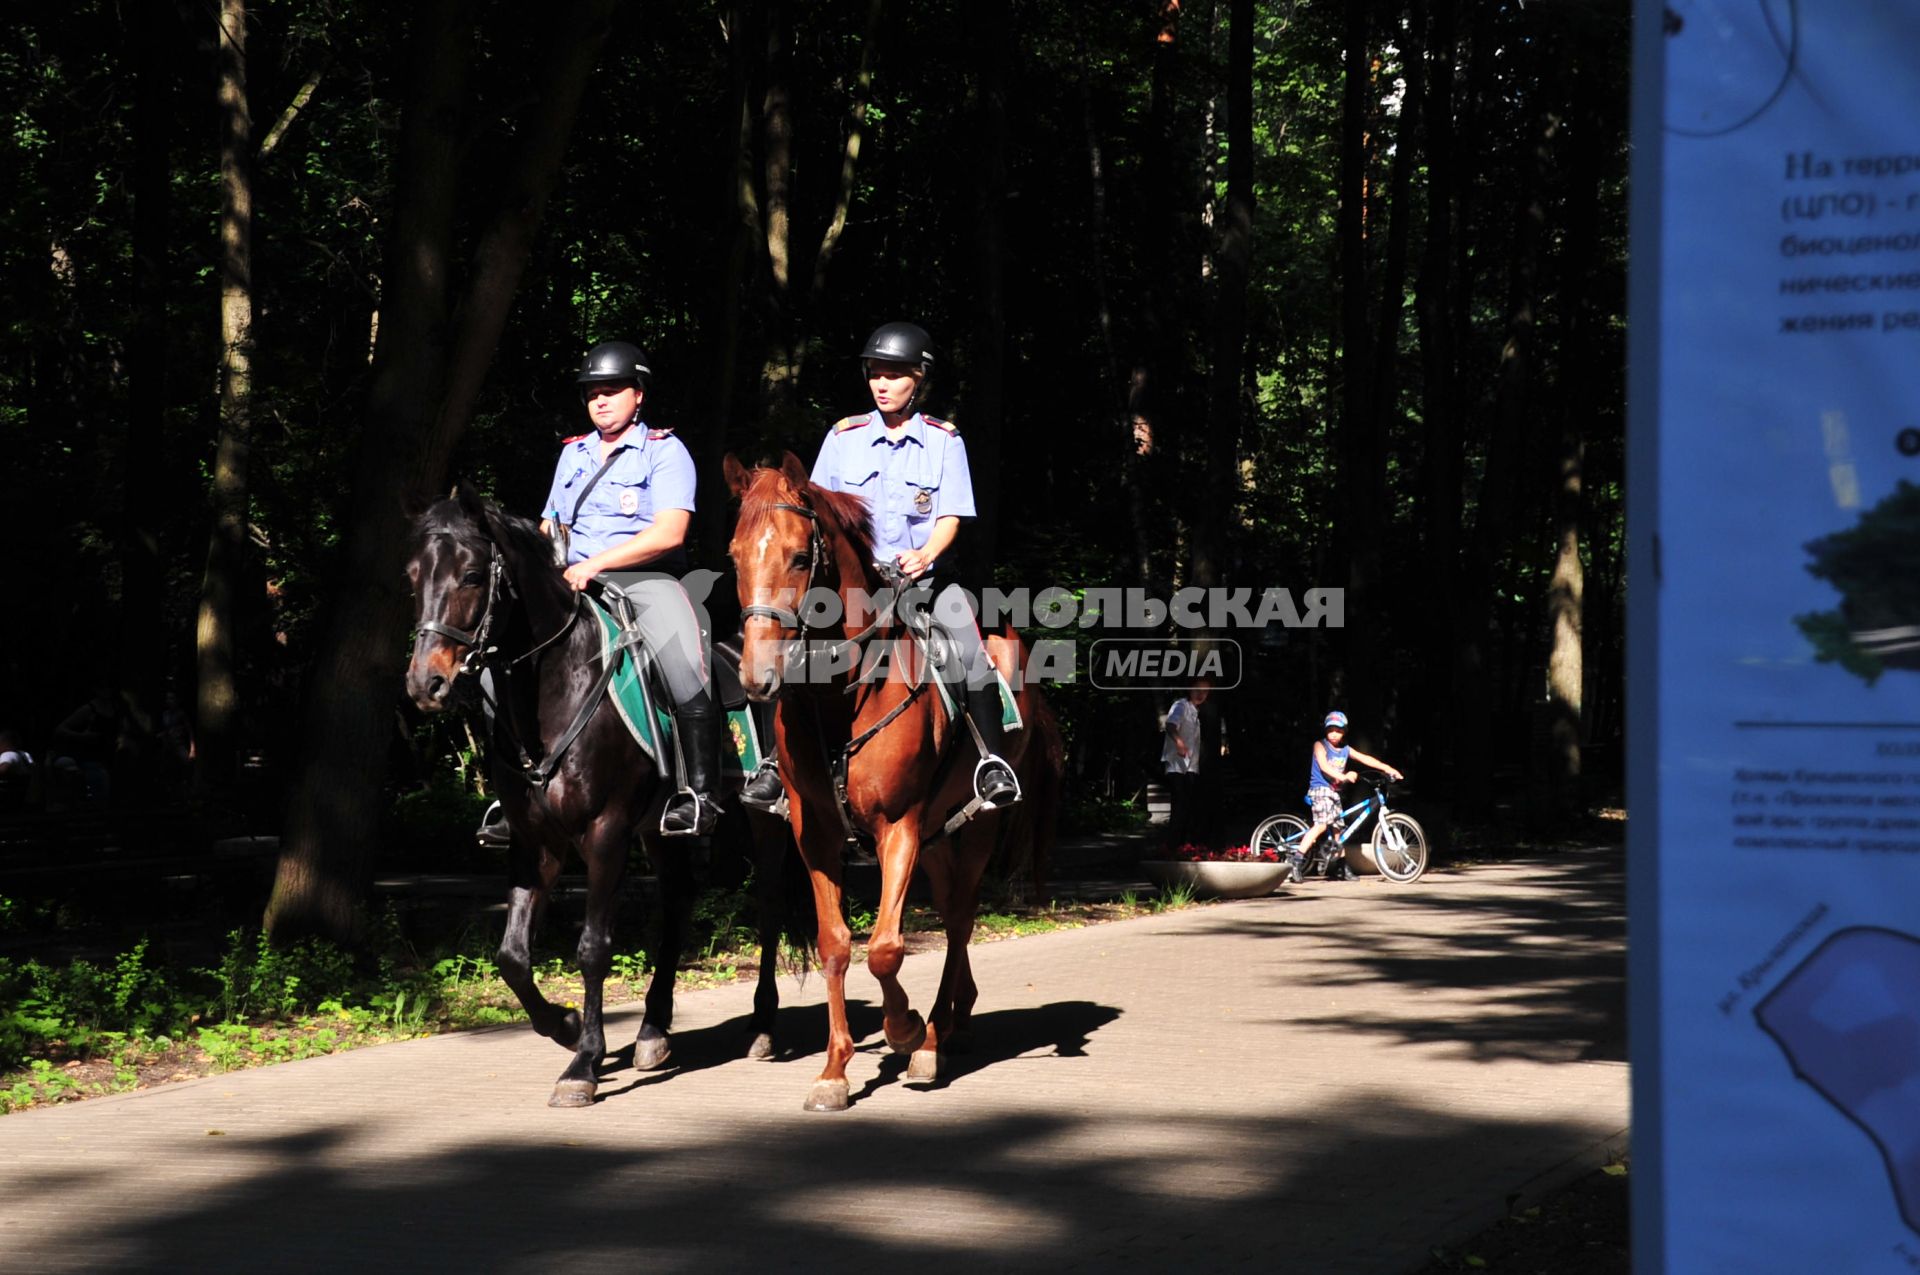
x=520 y=537
x=845 y=512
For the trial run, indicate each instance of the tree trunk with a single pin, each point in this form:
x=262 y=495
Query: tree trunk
x=779 y=382
x=850 y=150
x=144 y=638
x=430 y=360
x=986 y=379
x=1371 y=519
x=1565 y=612
x=743 y=217
x=1476 y=676
x=1235 y=262
x=1580 y=394
x=1442 y=475
x=1360 y=461
x=218 y=694
x=1139 y=449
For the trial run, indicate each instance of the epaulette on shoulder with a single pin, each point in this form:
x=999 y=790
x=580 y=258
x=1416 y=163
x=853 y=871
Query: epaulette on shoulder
x=851 y=422
x=937 y=423
x=568 y=442
x=657 y=434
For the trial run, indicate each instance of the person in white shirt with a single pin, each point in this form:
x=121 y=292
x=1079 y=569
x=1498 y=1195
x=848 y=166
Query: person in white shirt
x=1180 y=754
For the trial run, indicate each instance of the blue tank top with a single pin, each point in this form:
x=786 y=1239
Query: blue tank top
x=1314 y=778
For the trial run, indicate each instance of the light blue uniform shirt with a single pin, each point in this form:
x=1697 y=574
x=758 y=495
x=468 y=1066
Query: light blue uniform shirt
x=910 y=481
x=652 y=472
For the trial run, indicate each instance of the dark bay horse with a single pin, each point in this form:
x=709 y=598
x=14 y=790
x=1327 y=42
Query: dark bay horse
x=907 y=764
x=487 y=594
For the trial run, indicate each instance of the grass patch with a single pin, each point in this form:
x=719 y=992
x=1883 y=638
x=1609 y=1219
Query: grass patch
x=90 y=1027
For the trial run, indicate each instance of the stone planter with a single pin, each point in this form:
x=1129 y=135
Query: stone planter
x=1360 y=857
x=1217 y=880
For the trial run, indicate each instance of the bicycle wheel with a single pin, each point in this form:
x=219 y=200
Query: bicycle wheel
x=1278 y=835
x=1400 y=848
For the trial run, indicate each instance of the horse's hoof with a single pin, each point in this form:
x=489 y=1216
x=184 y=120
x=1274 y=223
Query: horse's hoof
x=959 y=1041
x=761 y=1050
x=572 y=1093
x=916 y=1035
x=924 y=1065
x=826 y=1095
x=650 y=1053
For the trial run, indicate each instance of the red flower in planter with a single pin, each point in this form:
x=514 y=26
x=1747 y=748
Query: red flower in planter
x=1193 y=853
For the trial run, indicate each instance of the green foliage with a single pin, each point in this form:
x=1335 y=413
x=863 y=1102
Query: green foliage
x=257 y=979
x=718 y=913
x=461 y=968
x=629 y=967
x=80 y=1003
x=1173 y=897
x=439 y=822
x=1088 y=812
x=1105 y=277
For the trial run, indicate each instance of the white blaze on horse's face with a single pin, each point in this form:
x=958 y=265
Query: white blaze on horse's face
x=760 y=550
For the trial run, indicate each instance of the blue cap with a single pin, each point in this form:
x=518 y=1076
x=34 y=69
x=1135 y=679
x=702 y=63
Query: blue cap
x=1335 y=718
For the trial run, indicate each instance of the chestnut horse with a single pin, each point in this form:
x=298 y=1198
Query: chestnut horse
x=907 y=764
x=487 y=594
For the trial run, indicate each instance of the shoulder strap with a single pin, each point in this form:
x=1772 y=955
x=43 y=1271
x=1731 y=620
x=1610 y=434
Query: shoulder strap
x=592 y=482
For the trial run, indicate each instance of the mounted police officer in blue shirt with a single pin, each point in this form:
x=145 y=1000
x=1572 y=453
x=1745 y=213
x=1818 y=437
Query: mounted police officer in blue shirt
x=912 y=469
x=623 y=497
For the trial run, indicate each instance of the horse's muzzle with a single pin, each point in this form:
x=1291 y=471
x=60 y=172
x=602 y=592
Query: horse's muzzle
x=760 y=690
x=761 y=661
x=431 y=677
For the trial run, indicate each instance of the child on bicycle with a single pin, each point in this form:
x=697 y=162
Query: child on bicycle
x=1326 y=773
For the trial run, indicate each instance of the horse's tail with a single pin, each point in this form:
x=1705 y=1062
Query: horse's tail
x=778 y=864
x=1028 y=832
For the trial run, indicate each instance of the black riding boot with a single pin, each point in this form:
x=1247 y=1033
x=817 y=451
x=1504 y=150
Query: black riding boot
x=763 y=790
x=993 y=779
x=692 y=811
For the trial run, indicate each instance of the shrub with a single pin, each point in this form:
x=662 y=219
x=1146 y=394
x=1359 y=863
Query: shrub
x=256 y=979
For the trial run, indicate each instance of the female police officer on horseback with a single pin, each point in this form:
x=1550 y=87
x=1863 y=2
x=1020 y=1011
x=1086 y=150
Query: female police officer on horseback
x=912 y=469
x=624 y=495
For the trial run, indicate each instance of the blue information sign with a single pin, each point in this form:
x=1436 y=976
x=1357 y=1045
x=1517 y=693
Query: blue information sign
x=1775 y=652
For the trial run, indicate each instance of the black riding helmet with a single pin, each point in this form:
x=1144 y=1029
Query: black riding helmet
x=901 y=343
x=614 y=361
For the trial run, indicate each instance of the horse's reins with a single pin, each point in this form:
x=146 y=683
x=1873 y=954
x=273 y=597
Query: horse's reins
x=537 y=774
x=475 y=640
x=796 y=619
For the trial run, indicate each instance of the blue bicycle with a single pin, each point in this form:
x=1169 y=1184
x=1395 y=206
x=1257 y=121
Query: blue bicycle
x=1398 y=848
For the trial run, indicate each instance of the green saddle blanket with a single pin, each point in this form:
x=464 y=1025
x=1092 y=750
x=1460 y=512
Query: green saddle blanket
x=1010 y=718
x=651 y=725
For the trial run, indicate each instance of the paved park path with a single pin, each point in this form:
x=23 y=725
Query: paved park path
x=1332 y=1079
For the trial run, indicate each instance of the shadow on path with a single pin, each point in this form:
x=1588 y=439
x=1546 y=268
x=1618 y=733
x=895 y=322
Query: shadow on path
x=1011 y=1191
x=1544 y=964
x=1061 y=1030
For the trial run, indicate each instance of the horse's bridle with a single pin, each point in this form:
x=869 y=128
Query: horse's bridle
x=796 y=619
x=816 y=554
x=475 y=640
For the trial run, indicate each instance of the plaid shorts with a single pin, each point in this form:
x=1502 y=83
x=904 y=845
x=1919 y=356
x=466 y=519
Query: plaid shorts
x=1326 y=807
